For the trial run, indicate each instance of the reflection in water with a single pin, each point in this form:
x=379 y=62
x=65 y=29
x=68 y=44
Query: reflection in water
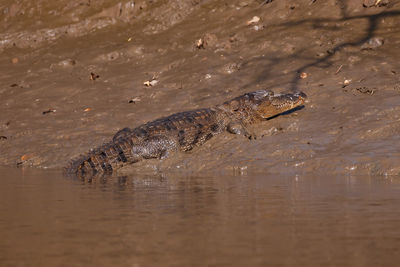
x=167 y=220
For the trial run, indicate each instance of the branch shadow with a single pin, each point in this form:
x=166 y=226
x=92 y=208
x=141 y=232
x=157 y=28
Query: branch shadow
x=373 y=22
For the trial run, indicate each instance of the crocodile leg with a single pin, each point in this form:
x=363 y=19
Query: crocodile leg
x=196 y=136
x=237 y=127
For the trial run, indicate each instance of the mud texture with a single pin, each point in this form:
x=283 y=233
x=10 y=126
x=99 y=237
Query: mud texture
x=72 y=73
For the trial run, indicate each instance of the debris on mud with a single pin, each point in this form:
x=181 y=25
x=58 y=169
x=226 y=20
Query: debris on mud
x=346 y=82
x=21 y=84
x=150 y=83
x=230 y=68
x=208 y=40
x=303 y=75
x=94 y=76
x=371 y=3
x=244 y=3
x=372 y=43
x=271 y=131
x=264 y=2
x=199 y=43
x=339 y=69
x=26 y=157
x=134 y=100
x=253 y=21
x=366 y=90
x=29 y=159
x=48 y=111
x=65 y=63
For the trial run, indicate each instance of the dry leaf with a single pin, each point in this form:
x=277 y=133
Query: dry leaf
x=254 y=20
x=26 y=157
x=200 y=43
x=150 y=83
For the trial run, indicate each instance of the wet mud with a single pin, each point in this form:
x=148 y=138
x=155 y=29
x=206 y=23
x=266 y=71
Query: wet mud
x=74 y=72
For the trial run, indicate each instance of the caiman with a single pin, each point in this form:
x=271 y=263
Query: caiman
x=183 y=131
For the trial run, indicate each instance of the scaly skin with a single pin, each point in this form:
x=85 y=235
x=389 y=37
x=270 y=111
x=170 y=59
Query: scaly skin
x=184 y=131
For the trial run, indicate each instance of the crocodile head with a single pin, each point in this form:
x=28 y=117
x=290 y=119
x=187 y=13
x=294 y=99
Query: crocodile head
x=266 y=104
x=262 y=104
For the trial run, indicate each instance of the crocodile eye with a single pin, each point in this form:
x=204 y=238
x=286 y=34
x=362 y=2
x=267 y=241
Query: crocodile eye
x=259 y=95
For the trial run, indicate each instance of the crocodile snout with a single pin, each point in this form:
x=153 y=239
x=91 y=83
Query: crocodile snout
x=301 y=96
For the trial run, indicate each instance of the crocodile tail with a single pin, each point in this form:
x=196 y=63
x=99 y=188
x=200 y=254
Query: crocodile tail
x=103 y=159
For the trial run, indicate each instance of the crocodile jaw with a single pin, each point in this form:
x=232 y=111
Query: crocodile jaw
x=276 y=104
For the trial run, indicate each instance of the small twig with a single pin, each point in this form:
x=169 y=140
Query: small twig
x=265 y=2
x=338 y=70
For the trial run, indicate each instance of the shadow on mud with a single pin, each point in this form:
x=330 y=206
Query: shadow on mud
x=287 y=112
x=327 y=24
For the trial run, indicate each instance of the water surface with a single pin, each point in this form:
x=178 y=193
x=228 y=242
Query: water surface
x=173 y=220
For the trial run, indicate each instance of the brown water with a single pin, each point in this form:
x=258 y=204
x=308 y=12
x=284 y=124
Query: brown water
x=171 y=220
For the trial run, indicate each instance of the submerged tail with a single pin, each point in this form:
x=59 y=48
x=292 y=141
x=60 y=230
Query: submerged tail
x=103 y=159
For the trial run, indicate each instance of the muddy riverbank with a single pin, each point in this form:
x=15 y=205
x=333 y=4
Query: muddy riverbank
x=72 y=73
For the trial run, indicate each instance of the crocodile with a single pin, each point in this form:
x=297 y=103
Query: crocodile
x=183 y=131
